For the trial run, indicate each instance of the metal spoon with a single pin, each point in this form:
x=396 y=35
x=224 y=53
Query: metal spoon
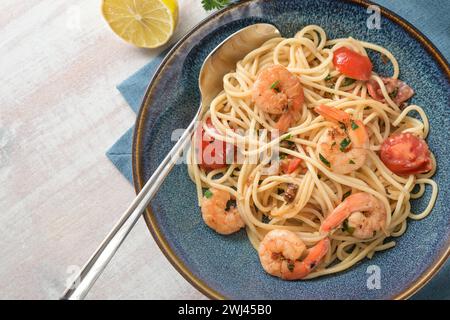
x=219 y=62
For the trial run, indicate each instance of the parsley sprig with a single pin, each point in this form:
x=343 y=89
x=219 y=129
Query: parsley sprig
x=324 y=160
x=347 y=228
x=344 y=144
x=208 y=194
x=214 y=4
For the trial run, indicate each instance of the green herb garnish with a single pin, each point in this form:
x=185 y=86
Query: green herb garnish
x=345 y=195
x=324 y=160
x=291 y=266
x=351 y=161
x=328 y=78
x=208 y=194
x=290 y=144
x=394 y=93
x=344 y=144
x=230 y=204
x=347 y=228
x=287 y=137
x=354 y=125
x=348 y=81
x=282 y=156
x=214 y=4
x=274 y=86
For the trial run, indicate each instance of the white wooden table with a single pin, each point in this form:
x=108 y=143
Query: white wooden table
x=59 y=113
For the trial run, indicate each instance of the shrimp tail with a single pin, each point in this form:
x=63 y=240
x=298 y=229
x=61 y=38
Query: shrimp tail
x=303 y=268
x=332 y=114
x=284 y=122
x=335 y=218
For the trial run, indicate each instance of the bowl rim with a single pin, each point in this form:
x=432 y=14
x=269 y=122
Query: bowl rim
x=138 y=182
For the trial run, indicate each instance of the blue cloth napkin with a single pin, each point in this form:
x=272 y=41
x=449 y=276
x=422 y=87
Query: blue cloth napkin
x=133 y=90
x=428 y=16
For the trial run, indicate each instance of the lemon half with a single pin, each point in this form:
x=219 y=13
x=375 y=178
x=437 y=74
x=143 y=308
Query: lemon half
x=144 y=23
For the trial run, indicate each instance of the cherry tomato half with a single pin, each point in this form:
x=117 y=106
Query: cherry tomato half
x=290 y=165
x=211 y=153
x=352 y=64
x=406 y=154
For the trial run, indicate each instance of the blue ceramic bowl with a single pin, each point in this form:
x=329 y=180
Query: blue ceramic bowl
x=228 y=267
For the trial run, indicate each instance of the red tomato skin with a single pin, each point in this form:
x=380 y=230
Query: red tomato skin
x=406 y=154
x=352 y=64
x=294 y=164
x=290 y=165
x=208 y=160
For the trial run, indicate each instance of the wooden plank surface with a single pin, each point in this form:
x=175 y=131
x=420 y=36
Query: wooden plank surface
x=59 y=113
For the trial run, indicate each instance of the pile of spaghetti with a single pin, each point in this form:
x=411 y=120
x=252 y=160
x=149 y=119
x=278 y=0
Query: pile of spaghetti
x=315 y=154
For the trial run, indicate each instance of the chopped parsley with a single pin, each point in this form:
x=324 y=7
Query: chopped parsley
x=208 y=194
x=345 y=195
x=344 y=144
x=274 y=86
x=287 y=137
x=351 y=161
x=291 y=144
x=394 y=93
x=347 y=228
x=348 y=81
x=291 y=266
x=354 y=125
x=282 y=156
x=324 y=160
x=230 y=204
x=214 y=4
x=328 y=78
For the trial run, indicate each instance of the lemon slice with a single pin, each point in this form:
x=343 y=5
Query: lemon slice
x=144 y=23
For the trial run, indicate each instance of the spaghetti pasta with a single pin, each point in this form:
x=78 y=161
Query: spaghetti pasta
x=299 y=201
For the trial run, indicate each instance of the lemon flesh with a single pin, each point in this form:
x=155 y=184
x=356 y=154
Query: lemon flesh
x=144 y=23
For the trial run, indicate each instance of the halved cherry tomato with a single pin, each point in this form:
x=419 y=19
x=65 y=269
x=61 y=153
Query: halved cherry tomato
x=352 y=64
x=406 y=154
x=290 y=165
x=211 y=154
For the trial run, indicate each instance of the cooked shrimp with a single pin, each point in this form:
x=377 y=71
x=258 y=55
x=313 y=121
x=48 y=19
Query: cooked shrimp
x=277 y=91
x=218 y=214
x=280 y=251
x=362 y=214
x=343 y=148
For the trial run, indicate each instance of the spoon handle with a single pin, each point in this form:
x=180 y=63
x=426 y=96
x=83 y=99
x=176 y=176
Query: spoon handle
x=104 y=253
